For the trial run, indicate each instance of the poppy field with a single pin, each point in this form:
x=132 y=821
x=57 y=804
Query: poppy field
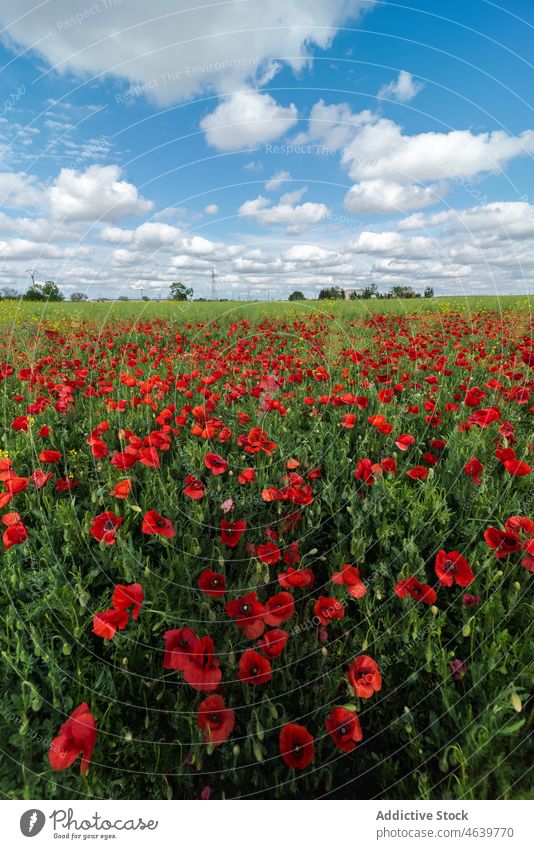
x=267 y=551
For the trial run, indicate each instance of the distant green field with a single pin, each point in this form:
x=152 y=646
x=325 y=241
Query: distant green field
x=20 y=312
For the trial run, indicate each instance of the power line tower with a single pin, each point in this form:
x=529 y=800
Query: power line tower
x=32 y=272
x=213 y=285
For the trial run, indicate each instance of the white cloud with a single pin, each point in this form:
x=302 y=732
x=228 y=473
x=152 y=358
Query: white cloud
x=403 y=89
x=333 y=125
x=179 y=49
x=18 y=189
x=211 y=209
x=315 y=254
x=245 y=119
x=277 y=181
x=382 y=151
x=96 y=194
x=503 y=221
x=381 y=196
x=295 y=218
x=390 y=243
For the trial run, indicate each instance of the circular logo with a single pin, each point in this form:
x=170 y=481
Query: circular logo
x=32 y=822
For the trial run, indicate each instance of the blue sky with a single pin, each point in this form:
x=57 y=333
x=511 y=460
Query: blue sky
x=289 y=145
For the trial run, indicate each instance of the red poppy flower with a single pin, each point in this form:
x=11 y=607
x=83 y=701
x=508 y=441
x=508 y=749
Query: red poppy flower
x=202 y=671
x=474 y=396
x=49 y=456
x=344 y=728
x=296 y=578
x=21 y=423
x=215 y=720
x=212 y=583
x=153 y=523
x=350 y=576
x=77 y=736
x=40 y=478
x=149 y=456
x=404 y=441
x=366 y=471
x=326 y=609
x=122 y=489
x=503 y=543
x=505 y=454
x=418 y=473
x=474 y=469
x=179 y=645
x=484 y=417
x=348 y=420
x=296 y=746
x=268 y=553
x=5 y=498
x=389 y=465
x=414 y=588
x=273 y=642
x=364 y=676
x=103 y=527
x=15 y=533
x=13 y=483
x=124 y=460
x=66 y=485
x=256 y=440
x=279 y=608
x=520 y=524
x=105 y=624
x=517 y=468
x=452 y=568
x=99 y=449
x=217 y=465
x=254 y=668
x=471 y=600
x=194 y=488
x=248 y=614
x=231 y=532
x=246 y=476
x=126 y=596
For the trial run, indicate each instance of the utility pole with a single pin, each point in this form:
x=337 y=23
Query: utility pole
x=32 y=272
x=213 y=286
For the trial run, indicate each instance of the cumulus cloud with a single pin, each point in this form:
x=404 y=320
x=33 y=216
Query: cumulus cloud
x=18 y=189
x=247 y=118
x=403 y=89
x=277 y=181
x=333 y=125
x=390 y=243
x=96 y=194
x=211 y=209
x=184 y=48
x=381 y=196
x=383 y=151
x=503 y=221
x=296 y=218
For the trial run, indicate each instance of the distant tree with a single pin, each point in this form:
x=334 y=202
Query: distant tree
x=296 y=296
x=34 y=293
x=51 y=292
x=370 y=291
x=77 y=297
x=429 y=292
x=179 y=292
x=334 y=293
x=145 y=298
x=403 y=292
x=9 y=294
